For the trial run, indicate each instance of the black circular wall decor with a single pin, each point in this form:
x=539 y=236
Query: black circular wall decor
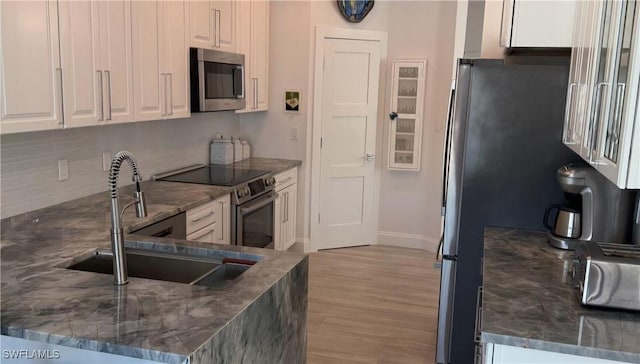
x=354 y=10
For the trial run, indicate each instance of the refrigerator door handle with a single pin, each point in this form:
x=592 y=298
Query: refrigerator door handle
x=447 y=147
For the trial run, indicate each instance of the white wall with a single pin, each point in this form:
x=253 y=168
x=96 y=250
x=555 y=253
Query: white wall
x=410 y=201
x=491 y=30
x=29 y=173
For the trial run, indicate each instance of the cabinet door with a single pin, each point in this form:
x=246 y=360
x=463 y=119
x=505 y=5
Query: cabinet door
x=290 y=202
x=542 y=23
x=407 y=101
x=201 y=24
x=260 y=53
x=175 y=63
x=30 y=74
x=224 y=12
x=83 y=79
x=115 y=31
x=148 y=86
x=573 y=123
x=616 y=126
x=223 y=231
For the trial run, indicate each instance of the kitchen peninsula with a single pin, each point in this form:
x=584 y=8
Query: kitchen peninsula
x=258 y=317
x=529 y=311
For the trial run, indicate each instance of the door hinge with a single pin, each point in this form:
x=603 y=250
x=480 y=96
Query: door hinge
x=320 y=142
x=323 y=63
x=318 y=218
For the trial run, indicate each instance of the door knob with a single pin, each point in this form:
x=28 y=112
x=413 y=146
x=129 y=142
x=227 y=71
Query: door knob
x=369 y=156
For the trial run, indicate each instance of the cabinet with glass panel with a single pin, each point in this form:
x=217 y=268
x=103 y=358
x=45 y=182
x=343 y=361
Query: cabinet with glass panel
x=600 y=117
x=407 y=108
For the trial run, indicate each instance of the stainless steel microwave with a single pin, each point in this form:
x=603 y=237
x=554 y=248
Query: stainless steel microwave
x=217 y=80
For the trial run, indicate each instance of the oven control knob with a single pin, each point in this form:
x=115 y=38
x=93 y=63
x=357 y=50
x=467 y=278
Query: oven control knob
x=241 y=192
x=246 y=192
x=270 y=181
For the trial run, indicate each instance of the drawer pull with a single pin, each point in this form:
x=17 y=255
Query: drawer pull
x=206 y=231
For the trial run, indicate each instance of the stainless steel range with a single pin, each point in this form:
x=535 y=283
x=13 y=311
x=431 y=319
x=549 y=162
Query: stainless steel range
x=608 y=275
x=252 y=199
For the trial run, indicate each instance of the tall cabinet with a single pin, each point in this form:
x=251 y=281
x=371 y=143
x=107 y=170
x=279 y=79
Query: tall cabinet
x=253 y=42
x=30 y=72
x=603 y=89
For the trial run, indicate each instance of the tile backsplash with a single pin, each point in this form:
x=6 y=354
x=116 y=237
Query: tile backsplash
x=29 y=169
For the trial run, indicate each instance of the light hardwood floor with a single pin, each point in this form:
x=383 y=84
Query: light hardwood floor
x=372 y=304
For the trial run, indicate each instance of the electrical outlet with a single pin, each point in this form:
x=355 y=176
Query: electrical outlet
x=294 y=133
x=63 y=170
x=106 y=161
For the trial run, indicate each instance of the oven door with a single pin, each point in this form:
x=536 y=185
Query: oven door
x=255 y=222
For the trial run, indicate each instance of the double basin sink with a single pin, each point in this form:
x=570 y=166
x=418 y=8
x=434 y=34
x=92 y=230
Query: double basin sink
x=167 y=267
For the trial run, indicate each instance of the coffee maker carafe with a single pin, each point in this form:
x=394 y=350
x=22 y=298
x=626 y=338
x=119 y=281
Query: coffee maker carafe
x=603 y=209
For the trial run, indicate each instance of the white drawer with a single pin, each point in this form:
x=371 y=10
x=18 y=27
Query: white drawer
x=286 y=178
x=202 y=216
x=207 y=234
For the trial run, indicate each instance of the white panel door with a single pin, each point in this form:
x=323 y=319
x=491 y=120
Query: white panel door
x=148 y=86
x=30 y=74
x=175 y=64
x=83 y=79
x=349 y=113
x=116 y=61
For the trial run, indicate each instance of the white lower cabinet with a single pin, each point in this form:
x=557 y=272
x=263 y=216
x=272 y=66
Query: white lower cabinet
x=285 y=209
x=505 y=354
x=210 y=222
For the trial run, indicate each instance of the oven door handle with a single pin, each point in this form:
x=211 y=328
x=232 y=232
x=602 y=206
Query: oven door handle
x=251 y=208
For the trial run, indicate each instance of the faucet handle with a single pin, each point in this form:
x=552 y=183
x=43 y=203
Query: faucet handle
x=141 y=204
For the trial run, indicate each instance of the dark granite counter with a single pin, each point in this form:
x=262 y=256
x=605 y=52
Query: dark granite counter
x=528 y=301
x=269 y=164
x=149 y=319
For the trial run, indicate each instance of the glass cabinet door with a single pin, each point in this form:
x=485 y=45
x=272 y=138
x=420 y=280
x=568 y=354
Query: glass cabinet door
x=406 y=115
x=612 y=127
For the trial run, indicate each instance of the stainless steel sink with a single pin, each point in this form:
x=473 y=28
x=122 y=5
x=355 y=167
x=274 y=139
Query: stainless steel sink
x=165 y=267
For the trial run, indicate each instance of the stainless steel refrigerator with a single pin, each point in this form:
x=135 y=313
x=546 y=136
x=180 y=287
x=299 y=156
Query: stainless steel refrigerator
x=503 y=147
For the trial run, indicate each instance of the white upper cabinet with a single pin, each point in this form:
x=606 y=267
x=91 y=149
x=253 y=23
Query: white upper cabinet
x=602 y=96
x=116 y=60
x=160 y=60
x=212 y=24
x=30 y=74
x=253 y=42
x=537 y=24
x=95 y=48
x=175 y=60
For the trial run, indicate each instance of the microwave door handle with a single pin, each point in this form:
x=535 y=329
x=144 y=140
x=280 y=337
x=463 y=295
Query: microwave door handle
x=238 y=83
x=447 y=148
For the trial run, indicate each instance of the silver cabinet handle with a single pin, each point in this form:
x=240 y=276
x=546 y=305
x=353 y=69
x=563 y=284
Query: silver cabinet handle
x=284 y=181
x=217 y=28
x=60 y=105
x=595 y=122
x=107 y=74
x=286 y=207
x=165 y=111
x=369 y=156
x=568 y=128
x=101 y=98
x=617 y=121
x=478 y=324
x=221 y=220
x=213 y=26
x=255 y=93
x=170 y=104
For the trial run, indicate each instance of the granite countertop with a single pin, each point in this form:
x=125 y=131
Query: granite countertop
x=528 y=301
x=149 y=319
x=268 y=164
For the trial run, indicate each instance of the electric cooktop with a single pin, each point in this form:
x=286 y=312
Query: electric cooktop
x=213 y=174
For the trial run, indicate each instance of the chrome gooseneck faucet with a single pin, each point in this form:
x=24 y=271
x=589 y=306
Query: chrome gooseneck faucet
x=120 y=275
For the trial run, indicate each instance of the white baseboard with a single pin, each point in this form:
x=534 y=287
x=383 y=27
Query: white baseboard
x=407 y=241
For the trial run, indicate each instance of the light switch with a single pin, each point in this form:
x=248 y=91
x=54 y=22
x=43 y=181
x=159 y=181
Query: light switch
x=294 y=133
x=106 y=161
x=63 y=170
